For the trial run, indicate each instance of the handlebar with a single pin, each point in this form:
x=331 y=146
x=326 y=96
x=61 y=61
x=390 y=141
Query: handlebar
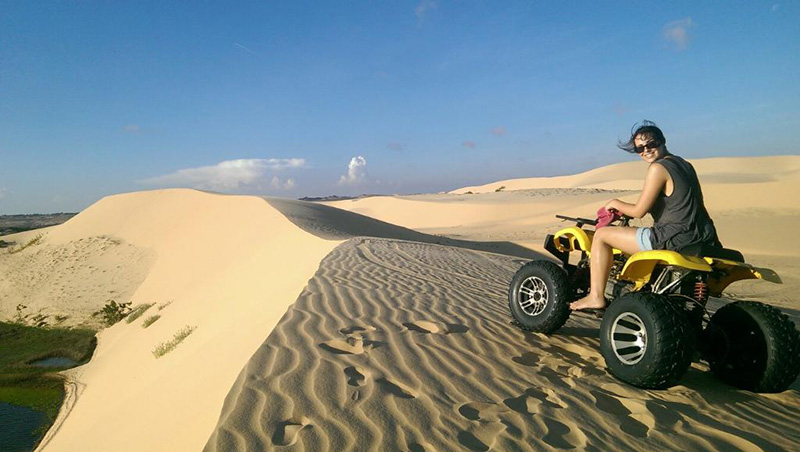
x=580 y=221
x=623 y=220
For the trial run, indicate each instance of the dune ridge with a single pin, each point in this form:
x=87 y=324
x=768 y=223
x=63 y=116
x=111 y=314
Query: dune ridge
x=753 y=201
x=731 y=170
x=228 y=266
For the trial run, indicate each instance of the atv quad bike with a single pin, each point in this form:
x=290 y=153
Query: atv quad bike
x=657 y=319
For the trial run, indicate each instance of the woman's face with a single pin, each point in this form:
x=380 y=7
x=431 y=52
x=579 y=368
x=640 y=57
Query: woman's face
x=651 y=149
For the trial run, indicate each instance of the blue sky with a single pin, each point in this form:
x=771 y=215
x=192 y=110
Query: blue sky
x=312 y=98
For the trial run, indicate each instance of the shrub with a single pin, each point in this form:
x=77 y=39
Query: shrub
x=19 y=317
x=34 y=241
x=138 y=311
x=164 y=305
x=150 y=320
x=166 y=347
x=112 y=312
x=501 y=188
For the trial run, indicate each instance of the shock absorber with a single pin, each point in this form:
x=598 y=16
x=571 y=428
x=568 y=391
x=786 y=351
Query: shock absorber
x=701 y=292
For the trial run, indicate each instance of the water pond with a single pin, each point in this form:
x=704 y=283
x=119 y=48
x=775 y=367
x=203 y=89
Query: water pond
x=58 y=361
x=19 y=427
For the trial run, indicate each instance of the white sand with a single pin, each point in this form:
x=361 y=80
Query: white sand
x=397 y=343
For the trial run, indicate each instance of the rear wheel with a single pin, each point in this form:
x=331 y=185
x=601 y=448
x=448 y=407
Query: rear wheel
x=539 y=297
x=753 y=346
x=646 y=340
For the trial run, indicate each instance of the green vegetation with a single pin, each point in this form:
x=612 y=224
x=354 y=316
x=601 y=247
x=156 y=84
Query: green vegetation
x=36 y=387
x=138 y=311
x=166 y=347
x=501 y=188
x=112 y=312
x=150 y=320
x=37 y=320
x=164 y=305
x=34 y=241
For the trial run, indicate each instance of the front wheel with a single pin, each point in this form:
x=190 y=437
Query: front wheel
x=646 y=340
x=753 y=346
x=539 y=297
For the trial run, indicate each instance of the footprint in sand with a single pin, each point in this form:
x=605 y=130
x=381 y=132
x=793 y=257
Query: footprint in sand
x=527 y=359
x=356 y=376
x=619 y=408
x=357 y=329
x=349 y=346
x=533 y=400
x=487 y=425
x=561 y=436
x=482 y=411
x=397 y=389
x=429 y=327
x=481 y=437
x=421 y=447
x=288 y=431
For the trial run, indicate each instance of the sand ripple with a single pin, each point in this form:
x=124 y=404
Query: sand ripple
x=399 y=345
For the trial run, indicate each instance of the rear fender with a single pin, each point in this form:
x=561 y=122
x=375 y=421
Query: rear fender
x=727 y=272
x=639 y=267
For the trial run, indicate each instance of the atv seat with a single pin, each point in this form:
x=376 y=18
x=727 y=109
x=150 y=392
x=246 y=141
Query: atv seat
x=713 y=251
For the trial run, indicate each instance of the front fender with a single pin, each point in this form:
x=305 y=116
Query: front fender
x=578 y=239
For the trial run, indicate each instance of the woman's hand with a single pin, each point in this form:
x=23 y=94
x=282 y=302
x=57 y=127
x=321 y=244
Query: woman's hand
x=612 y=205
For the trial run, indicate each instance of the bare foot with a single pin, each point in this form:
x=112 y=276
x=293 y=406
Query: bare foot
x=588 y=302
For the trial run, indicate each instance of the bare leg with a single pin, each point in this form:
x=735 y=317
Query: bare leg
x=605 y=239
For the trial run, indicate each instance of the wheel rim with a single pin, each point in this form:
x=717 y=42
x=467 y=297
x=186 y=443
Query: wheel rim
x=533 y=296
x=629 y=338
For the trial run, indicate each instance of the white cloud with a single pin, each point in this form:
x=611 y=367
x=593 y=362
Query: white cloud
x=499 y=131
x=676 y=33
x=422 y=9
x=225 y=176
x=277 y=184
x=356 y=171
x=236 y=44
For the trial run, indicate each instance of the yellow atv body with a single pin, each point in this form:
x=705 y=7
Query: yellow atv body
x=656 y=316
x=639 y=268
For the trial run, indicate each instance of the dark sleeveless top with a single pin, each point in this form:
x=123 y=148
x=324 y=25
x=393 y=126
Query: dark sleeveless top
x=681 y=219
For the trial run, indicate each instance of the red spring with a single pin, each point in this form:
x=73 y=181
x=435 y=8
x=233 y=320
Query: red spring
x=701 y=292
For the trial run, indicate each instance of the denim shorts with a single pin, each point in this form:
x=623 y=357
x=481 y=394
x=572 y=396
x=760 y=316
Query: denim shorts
x=644 y=239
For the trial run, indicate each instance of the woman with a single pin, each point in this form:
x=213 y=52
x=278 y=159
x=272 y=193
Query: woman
x=671 y=194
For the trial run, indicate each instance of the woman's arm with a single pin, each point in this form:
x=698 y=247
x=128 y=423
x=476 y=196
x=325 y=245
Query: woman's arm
x=654 y=183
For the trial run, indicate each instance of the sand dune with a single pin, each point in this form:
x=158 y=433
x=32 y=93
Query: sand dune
x=398 y=345
x=753 y=201
x=730 y=170
x=401 y=340
x=228 y=266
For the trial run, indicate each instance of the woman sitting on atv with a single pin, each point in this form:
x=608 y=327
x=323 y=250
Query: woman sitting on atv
x=671 y=194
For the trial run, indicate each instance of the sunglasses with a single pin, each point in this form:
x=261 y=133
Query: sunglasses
x=651 y=145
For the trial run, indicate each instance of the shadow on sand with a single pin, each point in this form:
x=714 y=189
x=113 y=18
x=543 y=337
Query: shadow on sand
x=336 y=224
